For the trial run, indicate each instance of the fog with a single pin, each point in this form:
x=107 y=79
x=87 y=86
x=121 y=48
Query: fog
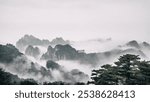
x=89 y=46
x=63 y=74
x=70 y=65
x=90 y=25
x=71 y=71
x=75 y=19
x=22 y=67
x=97 y=45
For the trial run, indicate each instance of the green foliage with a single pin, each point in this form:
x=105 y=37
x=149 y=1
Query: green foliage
x=128 y=70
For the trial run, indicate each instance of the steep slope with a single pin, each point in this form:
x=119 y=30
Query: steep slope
x=8 y=53
x=32 y=51
x=66 y=52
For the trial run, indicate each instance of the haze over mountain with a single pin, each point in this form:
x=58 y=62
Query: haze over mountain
x=63 y=60
x=32 y=51
x=18 y=64
x=31 y=40
x=74 y=36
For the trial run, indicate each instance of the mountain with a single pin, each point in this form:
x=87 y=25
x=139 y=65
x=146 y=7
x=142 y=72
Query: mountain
x=146 y=45
x=27 y=40
x=133 y=43
x=8 y=53
x=50 y=54
x=7 y=78
x=138 y=45
x=134 y=51
x=100 y=40
x=59 y=40
x=17 y=63
x=32 y=51
x=52 y=65
x=60 y=52
x=67 y=52
x=20 y=70
x=30 y=40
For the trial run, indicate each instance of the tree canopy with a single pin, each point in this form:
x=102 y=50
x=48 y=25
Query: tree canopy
x=128 y=70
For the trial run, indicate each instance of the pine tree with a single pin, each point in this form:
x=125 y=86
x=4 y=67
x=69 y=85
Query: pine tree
x=128 y=70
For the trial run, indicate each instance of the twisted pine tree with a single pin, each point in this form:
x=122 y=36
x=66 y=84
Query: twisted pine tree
x=128 y=70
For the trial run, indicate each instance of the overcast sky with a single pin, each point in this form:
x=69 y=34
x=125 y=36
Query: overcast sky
x=75 y=19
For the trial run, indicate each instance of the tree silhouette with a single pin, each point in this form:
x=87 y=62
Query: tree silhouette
x=128 y=70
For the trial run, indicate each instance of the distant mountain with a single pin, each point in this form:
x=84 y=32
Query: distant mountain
x=33 y=41
x=32 y=51
x=134 y=51
x=133 y=44
x=138 y=45
x=146 y=45
x=101 y=40
x=59 y=40
x=30 y=40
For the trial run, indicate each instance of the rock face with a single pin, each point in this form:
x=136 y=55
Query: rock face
x=32 y=51
x=66 y=52
x=52 y=65
x=49 y=55
x=8 y=53
x=60 y=52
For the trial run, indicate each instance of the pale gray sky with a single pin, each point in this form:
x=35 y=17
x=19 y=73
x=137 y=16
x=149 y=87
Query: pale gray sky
x=75 y=19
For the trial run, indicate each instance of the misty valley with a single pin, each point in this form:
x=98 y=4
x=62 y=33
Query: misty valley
x=33 y=61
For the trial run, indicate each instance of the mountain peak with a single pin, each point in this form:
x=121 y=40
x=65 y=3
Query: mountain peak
x=59 y=40
x=27 y=40
x=133 y=43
